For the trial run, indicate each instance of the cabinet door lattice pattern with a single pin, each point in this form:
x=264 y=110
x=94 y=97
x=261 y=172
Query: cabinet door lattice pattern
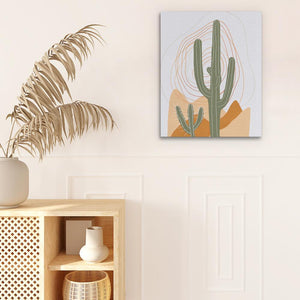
x=19 y=258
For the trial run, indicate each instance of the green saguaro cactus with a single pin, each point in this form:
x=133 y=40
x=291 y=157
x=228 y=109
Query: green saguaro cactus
x=215 y=101
x=191 y=127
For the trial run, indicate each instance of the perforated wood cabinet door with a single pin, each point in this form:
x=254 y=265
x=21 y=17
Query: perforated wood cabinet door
x=19 y=258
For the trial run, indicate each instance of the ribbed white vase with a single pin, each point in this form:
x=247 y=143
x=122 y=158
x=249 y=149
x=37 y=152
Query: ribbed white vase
x=14 y=182
x=94 y=251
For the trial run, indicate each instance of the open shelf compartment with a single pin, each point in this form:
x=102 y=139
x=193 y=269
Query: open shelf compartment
x=56 y=259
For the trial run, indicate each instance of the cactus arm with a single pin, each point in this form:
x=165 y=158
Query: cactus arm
x=216 y=51
x=198 y=69
x=191 y=119
x=181 y=120
x=199 y=118
x=229 y=83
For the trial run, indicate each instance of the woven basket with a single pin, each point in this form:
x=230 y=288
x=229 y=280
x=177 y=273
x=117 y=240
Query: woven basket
x=87 y=285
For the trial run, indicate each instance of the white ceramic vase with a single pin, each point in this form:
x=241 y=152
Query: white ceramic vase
x=14 y=182
x=94 y=251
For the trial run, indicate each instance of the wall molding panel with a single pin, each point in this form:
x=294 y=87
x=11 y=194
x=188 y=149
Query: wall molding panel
x=128 y=186
x=225 y=241
x=159 y=156
x=225 y=237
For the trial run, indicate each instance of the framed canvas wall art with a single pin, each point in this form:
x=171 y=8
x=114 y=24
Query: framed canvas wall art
x=211 y=74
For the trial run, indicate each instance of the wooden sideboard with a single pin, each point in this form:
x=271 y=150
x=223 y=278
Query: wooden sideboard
x=32 y=247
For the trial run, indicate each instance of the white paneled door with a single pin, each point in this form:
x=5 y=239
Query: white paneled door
x=225 y=231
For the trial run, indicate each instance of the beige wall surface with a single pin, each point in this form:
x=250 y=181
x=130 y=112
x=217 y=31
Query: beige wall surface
x=176 y=245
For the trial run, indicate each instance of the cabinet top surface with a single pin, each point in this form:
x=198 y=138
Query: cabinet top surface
x=66 y=207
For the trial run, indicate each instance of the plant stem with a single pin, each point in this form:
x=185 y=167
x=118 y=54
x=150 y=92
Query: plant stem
x=2 y=149
x=9 y=139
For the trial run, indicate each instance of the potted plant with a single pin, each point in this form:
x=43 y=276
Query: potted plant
x=43 y=118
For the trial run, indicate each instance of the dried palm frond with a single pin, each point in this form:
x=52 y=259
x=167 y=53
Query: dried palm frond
x=45 y=120
x=43 y=132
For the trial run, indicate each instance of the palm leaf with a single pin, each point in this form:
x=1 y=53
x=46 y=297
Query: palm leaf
x=46 y=84
x=64 y=122
x=43 y=117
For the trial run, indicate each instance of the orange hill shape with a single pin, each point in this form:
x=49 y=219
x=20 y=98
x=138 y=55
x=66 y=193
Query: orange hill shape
x=233 y=123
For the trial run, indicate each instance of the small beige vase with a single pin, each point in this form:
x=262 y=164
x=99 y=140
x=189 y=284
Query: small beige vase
x=94 y=251
x=14 y=182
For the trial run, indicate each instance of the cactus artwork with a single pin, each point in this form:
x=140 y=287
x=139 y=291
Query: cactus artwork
x=189 y=127
x=215 y=101
x=211 y=74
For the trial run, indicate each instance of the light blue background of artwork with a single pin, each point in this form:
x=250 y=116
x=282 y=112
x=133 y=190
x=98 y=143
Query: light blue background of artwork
x=245 y=28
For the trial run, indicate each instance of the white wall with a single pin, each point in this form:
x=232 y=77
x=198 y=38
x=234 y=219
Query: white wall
x=172 y=230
